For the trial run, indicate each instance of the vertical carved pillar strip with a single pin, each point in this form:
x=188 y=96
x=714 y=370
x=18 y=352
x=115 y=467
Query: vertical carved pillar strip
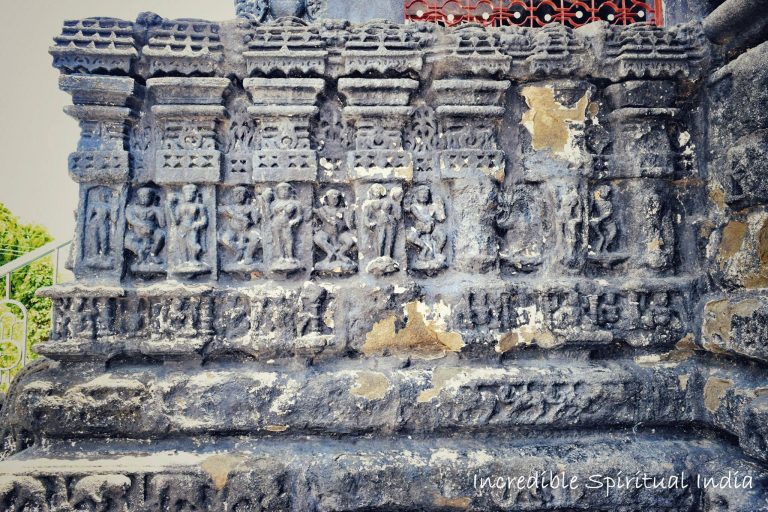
x=643 y=155
x=286 y=165
x=379 y=164
x=102 y=105
x=555 y=158
x=188 y=164
x=469 y=114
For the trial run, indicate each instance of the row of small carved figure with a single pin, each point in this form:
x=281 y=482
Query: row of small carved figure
x=292 y=314
x=266 y=225
x=246 y=217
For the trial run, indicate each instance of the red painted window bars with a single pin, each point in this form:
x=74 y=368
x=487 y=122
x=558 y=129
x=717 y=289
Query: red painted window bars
x=534 y=13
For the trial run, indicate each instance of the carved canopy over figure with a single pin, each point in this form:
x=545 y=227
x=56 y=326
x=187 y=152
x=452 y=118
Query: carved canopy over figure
x=426 y=234
x=190 y=217
x=240 y=233
x=286 y=215
x=334 y=235
x=381 y=214
x=146 y=233
x=101 y=221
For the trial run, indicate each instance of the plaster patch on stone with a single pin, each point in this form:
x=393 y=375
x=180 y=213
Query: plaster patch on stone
x=404 y=173
x=733 y=236
x=759 y=279
x=682 y=380
x=666 y=360
x=371 y=385
x=454 y=503
x=480 y=457
x=718 y=315
x=549 y=122
x=440 y=377
x=714 y=391
x=534 y=332
x=424 y=334
x=277 y=428
x=287 y=397
x=219 y=467
x=444 y=455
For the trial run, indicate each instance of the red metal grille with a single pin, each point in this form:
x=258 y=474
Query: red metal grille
x=534 y=13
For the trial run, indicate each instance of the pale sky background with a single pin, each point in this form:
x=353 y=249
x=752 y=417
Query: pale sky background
x=36 y=137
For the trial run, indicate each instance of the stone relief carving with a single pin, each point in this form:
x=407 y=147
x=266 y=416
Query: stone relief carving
x=426 y=233
x=523 y=227
x=570 y=225
x=240 y=230
x=382 y=211
x=100 y=225
x=335 y=235
x=146 y=234
x=190 y=218
x=286 y=214
x=260 y=10
x=603 y=229
x=658 y=233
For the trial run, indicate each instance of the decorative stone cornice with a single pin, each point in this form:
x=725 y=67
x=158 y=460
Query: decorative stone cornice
x=95 y=45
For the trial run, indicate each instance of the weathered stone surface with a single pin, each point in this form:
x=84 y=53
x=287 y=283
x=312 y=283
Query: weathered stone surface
x=329 y=266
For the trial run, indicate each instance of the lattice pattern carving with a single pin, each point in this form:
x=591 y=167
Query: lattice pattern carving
x=534 y=13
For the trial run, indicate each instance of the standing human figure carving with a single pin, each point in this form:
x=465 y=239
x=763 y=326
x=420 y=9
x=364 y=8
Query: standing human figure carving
x=240 y=233
x=426 y=234
x=190 y=217
x=333 y=234
x=286 y=214
x=571 y=219
x=101 y=219
x=381 y=214
x=146 y=233
x=601 y=220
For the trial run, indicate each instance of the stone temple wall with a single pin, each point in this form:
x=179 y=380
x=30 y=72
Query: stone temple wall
x=325 y=266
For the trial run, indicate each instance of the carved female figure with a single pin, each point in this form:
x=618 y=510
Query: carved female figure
x=570 y=222
x=333 y=234
x=601 y=222
x=191 y=220
x=286 y=214
x=381 y=214
x=426 y=234
x=101 y=218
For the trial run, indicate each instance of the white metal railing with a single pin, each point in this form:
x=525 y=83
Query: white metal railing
x=13 y=326
x=55 y=248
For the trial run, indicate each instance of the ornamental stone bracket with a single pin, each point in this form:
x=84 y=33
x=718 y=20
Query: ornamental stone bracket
x=102 y=105
x=378 y=109
x=283 y=109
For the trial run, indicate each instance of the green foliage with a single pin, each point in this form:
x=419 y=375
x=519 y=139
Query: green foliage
x=17 y=239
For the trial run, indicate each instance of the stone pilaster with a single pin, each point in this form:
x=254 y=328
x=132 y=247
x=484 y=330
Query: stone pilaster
x=102 y=105
x=643 y=155
x=379 y=164
x=188 y=165
x=284 y=166
x=469 y=114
